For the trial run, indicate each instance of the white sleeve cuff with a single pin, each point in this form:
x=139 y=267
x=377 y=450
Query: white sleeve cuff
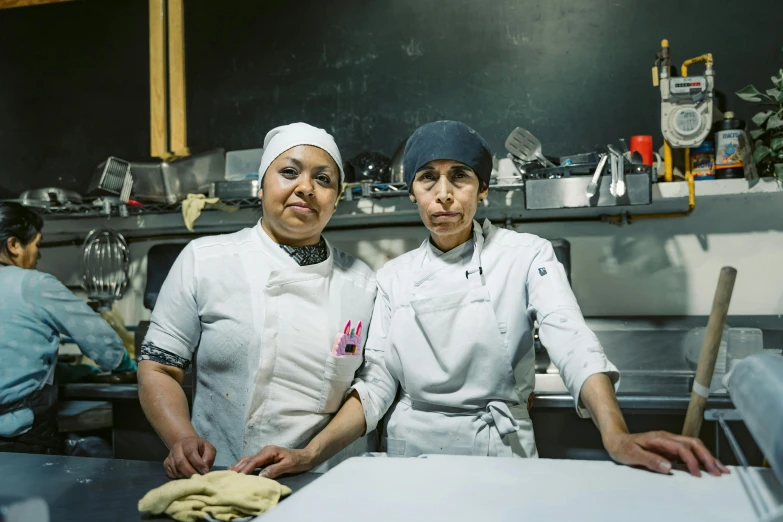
x=597 y=365
x=163 y=340
x=370 y=418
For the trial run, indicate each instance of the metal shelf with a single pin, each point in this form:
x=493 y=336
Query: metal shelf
x=92 y=209
x=504 y=205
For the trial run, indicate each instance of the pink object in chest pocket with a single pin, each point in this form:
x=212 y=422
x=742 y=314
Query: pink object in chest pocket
x=349 y=342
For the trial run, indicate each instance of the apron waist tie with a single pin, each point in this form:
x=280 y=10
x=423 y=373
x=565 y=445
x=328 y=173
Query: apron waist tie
x=497 y=413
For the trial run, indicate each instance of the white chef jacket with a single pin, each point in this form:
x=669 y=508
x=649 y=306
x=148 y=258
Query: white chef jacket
x=525 y=282
x=215 y=298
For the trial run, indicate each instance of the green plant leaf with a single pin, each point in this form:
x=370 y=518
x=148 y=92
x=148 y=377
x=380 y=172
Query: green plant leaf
x=757 y=144
x=774 y=122
x=760 y=154
x=773 y=92
x=755 y=133
x=760 y=117
x=779 y=171
x=776 y=144
x=749 y=93
x=779 y=97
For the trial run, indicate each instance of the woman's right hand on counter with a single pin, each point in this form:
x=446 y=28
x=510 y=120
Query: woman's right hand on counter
x=276 y=461
x=189 y=456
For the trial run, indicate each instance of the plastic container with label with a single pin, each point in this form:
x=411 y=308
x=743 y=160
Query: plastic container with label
x=728 y=156
x=703 y=161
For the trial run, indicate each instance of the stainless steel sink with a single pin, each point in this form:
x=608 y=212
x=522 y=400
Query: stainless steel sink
x=649 y=352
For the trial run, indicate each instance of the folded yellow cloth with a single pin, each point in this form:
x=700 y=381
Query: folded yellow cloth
x=195 y=203
x=192 y=207
x=223 y=495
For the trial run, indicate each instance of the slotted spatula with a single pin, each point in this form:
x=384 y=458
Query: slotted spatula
x=525 y=146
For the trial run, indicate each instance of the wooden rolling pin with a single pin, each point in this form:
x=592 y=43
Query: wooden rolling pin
x=709 y=352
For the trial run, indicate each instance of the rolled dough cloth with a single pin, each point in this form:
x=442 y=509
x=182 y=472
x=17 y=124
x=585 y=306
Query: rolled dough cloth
x=222 y=495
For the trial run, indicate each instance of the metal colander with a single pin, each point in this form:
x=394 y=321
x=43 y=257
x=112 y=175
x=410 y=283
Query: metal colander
x=105 y=266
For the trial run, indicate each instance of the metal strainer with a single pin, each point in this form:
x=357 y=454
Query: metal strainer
x=105 y=267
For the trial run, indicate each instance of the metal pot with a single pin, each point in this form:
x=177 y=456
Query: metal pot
x=397 y=174
x=47 y=197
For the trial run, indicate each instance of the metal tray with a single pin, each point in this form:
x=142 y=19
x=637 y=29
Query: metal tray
x=236 y=189
x=569 y=192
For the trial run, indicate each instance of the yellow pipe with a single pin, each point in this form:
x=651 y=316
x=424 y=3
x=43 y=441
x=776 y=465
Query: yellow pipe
x=707 y=58
x=668 y=171
x=668 y=165
x=691 y=193
x=689 y=179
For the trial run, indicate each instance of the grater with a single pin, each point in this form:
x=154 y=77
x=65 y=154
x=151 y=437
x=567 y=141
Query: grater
x=113 y=176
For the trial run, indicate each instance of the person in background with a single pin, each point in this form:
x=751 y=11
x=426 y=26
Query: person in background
x=452 y=330
x=260 y=309
x=35 y=310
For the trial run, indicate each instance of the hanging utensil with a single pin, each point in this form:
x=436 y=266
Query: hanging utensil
x=522 y=144
x=613 y=167
x=593 y=186
x=621 y=174
x=617 y=188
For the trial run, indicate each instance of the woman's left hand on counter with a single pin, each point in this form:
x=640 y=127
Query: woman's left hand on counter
x=276 y=461
x=654 y=450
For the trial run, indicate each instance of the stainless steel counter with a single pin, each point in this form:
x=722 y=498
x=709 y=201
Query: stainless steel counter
x=81 y=489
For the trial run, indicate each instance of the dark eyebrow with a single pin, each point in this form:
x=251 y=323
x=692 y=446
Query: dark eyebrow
x=425 y=167
x=294 y=161
x=322 y=168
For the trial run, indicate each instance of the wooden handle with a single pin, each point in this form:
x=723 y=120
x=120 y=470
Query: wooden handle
x=159 y=135
x=177 y=109
x=709 y=352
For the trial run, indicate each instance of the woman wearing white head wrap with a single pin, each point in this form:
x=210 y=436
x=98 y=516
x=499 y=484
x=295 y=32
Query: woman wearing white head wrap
x=262 y=308
x=300 y=178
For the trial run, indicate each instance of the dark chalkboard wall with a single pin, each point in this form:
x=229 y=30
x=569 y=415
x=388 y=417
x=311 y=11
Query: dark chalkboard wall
x=74 y=89
x=73 y=81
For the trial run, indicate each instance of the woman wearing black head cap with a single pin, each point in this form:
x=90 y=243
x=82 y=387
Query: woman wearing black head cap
x=452 y=326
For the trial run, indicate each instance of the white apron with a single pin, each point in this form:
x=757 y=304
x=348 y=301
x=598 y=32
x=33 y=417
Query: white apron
x=300 y=384
x=460 y=393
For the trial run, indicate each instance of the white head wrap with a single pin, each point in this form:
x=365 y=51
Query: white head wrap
x=280 y=139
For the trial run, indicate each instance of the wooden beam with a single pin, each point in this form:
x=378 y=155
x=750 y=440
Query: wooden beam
x=8 y=4
x=177 y=109
x=158 y=121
